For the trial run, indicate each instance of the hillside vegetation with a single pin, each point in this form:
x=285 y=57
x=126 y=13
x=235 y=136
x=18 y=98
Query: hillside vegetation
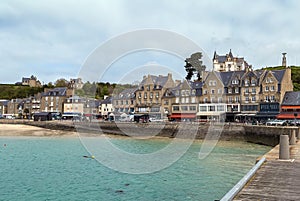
x=10 y=91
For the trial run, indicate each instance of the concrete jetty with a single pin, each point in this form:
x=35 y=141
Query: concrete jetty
x=276 y=179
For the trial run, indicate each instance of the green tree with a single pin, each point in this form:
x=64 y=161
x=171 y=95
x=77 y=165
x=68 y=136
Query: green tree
x=61 y=83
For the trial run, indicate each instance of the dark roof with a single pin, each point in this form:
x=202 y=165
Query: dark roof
x=108 y=100
x=4 y=102
x=157 y=80
x=278 y=74
x=59 y=91
x=291 y=98
x=226 y=77
x=25 y=79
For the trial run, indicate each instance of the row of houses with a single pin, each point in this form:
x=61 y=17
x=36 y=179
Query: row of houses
x=233 y=91
x=234 y=95
x=56 y=100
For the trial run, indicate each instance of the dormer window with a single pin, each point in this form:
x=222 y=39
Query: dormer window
x=246 y=82
x=235 y=81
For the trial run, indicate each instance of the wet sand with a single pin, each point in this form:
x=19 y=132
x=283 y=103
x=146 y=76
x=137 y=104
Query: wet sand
x=25 y=130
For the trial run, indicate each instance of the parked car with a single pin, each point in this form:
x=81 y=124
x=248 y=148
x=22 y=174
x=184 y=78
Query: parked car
x=294 y=123
x=276 y=122
x=155 y=120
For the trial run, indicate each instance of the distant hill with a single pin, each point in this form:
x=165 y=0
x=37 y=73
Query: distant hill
x=10 y=91
x=295 y=75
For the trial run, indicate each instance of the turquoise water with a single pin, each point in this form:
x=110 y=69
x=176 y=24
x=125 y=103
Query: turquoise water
x=54 y=169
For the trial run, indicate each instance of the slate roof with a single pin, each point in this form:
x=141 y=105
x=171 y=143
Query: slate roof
x=108 y=100
x=157 y=80
x=126 y=94
x=59 y=91
x=291 y=98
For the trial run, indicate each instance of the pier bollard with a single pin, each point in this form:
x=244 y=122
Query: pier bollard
x=284 y=149
x=293 y=137
x=298 y=135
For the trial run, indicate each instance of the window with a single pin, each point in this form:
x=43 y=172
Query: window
x=182 y=100
x=193 y=100
x=272 y=98
x=145 y=95
x=177 y=100
x=212 y=108
x=230 y=99
x=267 y=88
x=272 y=88
x=237 y=99
x=246 y=99
x=193 y=92
x=192 y=108
x=140 y=95
x=246 y=82
x=184 y=108
x=212 y=91
x=229 y=90
x=253 y=98
x=246 y=91
x=151 y=94
x=157 y=95
x=212 y=100
x=267 y=99
x=205 y=92
x=220 y=108
x=187 y=99
x=203 y=108
x=235 y=81
x=236 y=90
x=205 y=100
x=219 y=91
x=148 y=88
x=253 y=91
x=220 y=100
x=175 y=108
x=253 y=82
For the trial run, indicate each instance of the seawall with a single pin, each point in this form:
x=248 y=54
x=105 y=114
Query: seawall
x=266 y=135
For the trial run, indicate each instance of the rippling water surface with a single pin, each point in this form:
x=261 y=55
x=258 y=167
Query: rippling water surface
x=54 y=169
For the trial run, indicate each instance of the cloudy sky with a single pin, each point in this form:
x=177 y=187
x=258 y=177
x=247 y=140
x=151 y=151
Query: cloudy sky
x=53 y=39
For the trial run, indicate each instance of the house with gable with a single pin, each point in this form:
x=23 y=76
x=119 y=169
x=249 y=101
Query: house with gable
x=211 y=103
x=149 y=95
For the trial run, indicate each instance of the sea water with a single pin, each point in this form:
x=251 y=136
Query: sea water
x=55 y=169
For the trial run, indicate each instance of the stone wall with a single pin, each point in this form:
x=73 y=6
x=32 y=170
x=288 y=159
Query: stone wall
x=266 y=135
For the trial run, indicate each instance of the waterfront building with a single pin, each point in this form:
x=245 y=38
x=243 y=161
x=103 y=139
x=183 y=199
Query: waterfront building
x=3 y=107
x=290 y=106
x=14 y=108
x=181 y=102
x=106 y=107
x=52 y=99
x=125 y=101
x=212 y=96
x=149 y=95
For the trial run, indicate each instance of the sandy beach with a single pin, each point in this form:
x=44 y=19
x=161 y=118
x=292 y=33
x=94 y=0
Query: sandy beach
x=26 y=130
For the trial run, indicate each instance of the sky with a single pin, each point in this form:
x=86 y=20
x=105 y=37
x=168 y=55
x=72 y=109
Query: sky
x=55 y=39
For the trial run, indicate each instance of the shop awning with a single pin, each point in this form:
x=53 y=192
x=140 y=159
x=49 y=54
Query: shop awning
x=290 y=107
x=287 y=116
x=183 y=116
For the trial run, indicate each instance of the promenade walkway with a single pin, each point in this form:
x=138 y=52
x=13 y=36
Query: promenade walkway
x=276 y=179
